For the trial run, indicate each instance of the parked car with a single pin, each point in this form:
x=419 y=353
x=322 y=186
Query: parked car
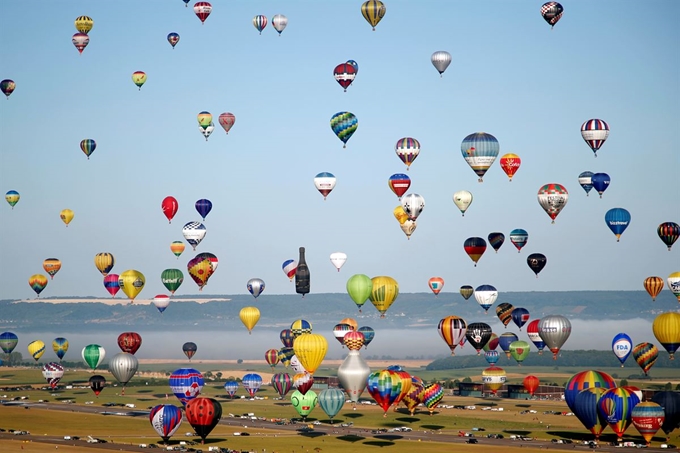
x=472 y=440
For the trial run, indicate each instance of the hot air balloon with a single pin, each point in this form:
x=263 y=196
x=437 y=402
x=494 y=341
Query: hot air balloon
x=226 y=120
x=353 y=340
x=7 y=86
x=666 y=328
x=384 y=386
x=203 y=207
x=552 y=12
x=60 y=346
x=616 y=406
x=285 y=355
x=271 y=356
x=194 y=232
x=496 y=240
x=66 y=216
x=552 y=198
x=600 y=181
x=53 y=372
x=338 y=259
x=536 y=262
x=668 y=232
x=104 y=262
x=111 y=284
x=80 y=40
x=585 y=380
x=287 y=338
x=252 y=383
x=129 y=342
x=36 y=349
x=324 y=183
x=340 y=330
x=369 y=334
x=475 y=248
x=413 y=398
x=88 y=146
x=249 y=317
x=186 y=384
x=452 y=329
x=353 y=374
x=478 y=335
x=670 y=401
x=169 y=206
x=585 y=180
x=260 y=22
x=441 y=60
x=173 y=39
x=594 y=132
x=554 y=331
x=531 y=384
x=510 y=164
x=302 y=381
x=505 y=340
x=331 y=401
x=165 y=420
x=385 y=291
x=123 y=366
x=172 y=279
x=622 y=346
x=279 y=22
x=504 y=313
x=431 y=396
x=520 y=316
x=189 y=348
x=492 y=345
x=407 y=149
x=519 y=238
x=202 y=10
x=494 y=378
x=617 y=219
x=310 y=350
x=231 y=387
x=519 y=350
x=351 y=322
x=359 y=288
x=52 y=266
x=139 y=79
x=344 y=74
x=255 y=286
x=203 y=414
x=647 y=417
x=177 y=248
x=93 y=355
x=585 y=409
x=645 y=354
x=304 y=404
x=300 y=327
x=97 y=383
x=161 y=302
x=486 y=295
x=282 y=383
x=480 y=151
x=399 y=184
x=289 y=267
x=462 y=199
x=37 y=282
x=436 y=284
x=84 y=24
x=344 y=124
x=8 y=341
x=373 y=11
x=131 y=282
x=12 y=197
x=466 y=291
x=207 y=131
x=673 y=281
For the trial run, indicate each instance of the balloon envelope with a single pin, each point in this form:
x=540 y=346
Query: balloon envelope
x=668 y=232
x=331 y=401
x=373 y=11
x=480 y=151
x=165 y=420
x=203 y=414
x=617 y=219
x=8 y=341
x=622 y=346
x=666 y=329
x=123 y=366
x=186 y=384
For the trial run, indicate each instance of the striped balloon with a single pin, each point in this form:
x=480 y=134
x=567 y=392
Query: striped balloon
x=645 y=354
x=282 y=383
x=666 y=329
x=480 y=151
x=260 y=22
x=412 y=399
x=585 y=409
x=616 y=406
x=452 y=329
x=668 y=232
x=595 y=132
x=165 y=420
x=344 y=124
x=504 y=313
x=373 y=11
x=432 y=396
x=647 y=418
x=384 y=386
x=407 y=149
x=232 y=386
x=584 y=380
x=653 y=286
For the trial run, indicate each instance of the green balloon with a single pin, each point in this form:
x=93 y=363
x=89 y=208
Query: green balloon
x=519 y=350
x=304 y=404
x=93 y=355
x=172 y=279
x=359 y=288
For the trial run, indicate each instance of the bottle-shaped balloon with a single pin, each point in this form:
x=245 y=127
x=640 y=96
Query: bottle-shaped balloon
x=302 y=282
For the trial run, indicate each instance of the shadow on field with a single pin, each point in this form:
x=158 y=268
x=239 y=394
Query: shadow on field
x=432 y=427
x=353 y=415
x=160 y=395
x=282 y=404
x=408 y=419
x=351 y=438
x=522 y=405
x=379 y=443
x=312 y=434
x=517 y=432
x=388 y=437
x=145 y=391
x=80 y=393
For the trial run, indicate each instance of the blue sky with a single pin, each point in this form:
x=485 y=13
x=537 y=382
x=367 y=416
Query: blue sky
x=511 y=76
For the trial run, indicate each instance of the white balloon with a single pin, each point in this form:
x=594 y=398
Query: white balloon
x=441 y=60
x=255 y=286
x=324 y=183
x=338 y=259
x=413 y=204
x=194 y=232
x=462 y=199
x=279 y=22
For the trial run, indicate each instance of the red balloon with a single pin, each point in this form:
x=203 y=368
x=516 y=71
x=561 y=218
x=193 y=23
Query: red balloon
x=272 y=357
x=170 y=207
x=531 y=383
x=202 y=10
x=129 y=342
x=203 y=414
x=344 y=74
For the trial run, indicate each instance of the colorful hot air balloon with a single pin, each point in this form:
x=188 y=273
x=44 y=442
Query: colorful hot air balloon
x=466 y=291
x=441 y=60
x=452 y=329
x=249 y=317
x=279 y=22
x=165 y=420
x=36 y=349
x=478 y=335
x=129 y=342
x=186 y=384
x=255 y=286
x=8 y=341
x=189 y=348
x=531 y=384
x=554 y=331
x=462 y=199
x=7 y=86
x=493 y=378
x=385 y=291
x=172 y=279
x=97 y=383
x=359 y=288
x=373 y=11
x=594 y=132
x=436 y=284
x=645 y=354
x=88 y=146
x=600 y=182
x=492 y=344
x=353 y=340
x=536 y=262
x=505 y=340
x=37 y=282
x=552 y=198
x=668 y=232
x=344 y=74
x=622 y=346
x=282 y=383
x=60 y=346
x=519 y=238
x=617 y=219
x=504 y=313
x=486 y=295
x=673 y=281
x=344 y=124
x=586 y=380
x=53 y=372
x=93 y=355
x=161 y=302
x=111 y=284
x=260 y=22
x=139 y=78
x=251 y=382
x=194 y=232
x=131 y=282
x=369 y=334
x=475 y=248
x=408 y=227
x=552 y=12
x=205 y=119
x=407 y=150
x=519 y=350
x=286 y=336
x=173 y=39
x=52 y=266
x=231 y=387
x=585 y=409
x=80 y=40
x=226 y=120
x=384 y=386
x=84 y=24
x=666 y=328
x=585 y=180
x=12 y=197
x=510 y=164
x=653 y=286
x=399 y=184
x=324 y=183
x=202 y=10
x=300 y=327
x=616 y=406
x=203 y=414
x=104 y=262
x=170 y=207
x=177 y=248
x=289 y=267
x=520 y=316
x=647 y=417
x=480 y=151
x=340 y=330
x=271 y=356
x=66 y=216
x=304 y=404
x=496 y=240
x=431 y=396
x=207 y=131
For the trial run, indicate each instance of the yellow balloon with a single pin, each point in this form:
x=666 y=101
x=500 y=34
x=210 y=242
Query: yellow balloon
x=385 y=291
x=666 y=328
x=310 y=350
x=400 y=214
x=52 y=266
x=84 y=24
x=104 y=262
x=66 y=216
x=36 y=349
x=131 y=282
x=351 y=322
x=249 y=317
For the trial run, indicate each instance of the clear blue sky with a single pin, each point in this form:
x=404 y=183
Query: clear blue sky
x=511 y=76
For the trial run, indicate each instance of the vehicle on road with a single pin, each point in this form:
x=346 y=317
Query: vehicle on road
x=472 y=440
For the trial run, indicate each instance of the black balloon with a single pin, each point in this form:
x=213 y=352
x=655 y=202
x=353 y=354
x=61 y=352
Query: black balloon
x=537 y=262
x=97 y=383
x=302 y=275
x=670 y=401
x=478 y=335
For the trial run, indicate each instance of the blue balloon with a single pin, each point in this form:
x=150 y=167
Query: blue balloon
x=520 y=316
x=186 y=384
x=331 y=401
x=203 y=207
x=585 y=409
x=622 y=346
x=252 y=382
x=585 y=180
x=8 y=341
x=165 y=419
x=505 y=340
x=600 y=182
x=231 y=387
x=491 y=357
x=369 y=334
x=617 y=219
x=519 y=238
